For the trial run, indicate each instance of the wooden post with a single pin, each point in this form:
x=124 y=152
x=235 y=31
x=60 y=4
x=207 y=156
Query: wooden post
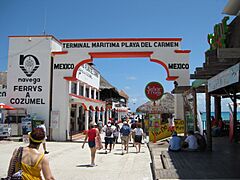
x=208 y=119
x=195 y=109
x=235 y=136
x=217 y=107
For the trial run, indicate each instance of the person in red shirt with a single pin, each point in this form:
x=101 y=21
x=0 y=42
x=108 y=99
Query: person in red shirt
x=91 y=134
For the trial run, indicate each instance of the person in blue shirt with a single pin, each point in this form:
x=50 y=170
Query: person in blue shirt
x=175 y=143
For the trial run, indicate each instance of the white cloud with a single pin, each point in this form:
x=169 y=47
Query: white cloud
x=132 y=78
x=127 y=87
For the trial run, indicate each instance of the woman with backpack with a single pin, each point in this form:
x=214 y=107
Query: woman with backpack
x=108 y=136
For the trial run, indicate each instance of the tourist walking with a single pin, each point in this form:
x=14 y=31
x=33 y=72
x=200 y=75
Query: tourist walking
x=91 y=134
x=138 y=131
x=125 y=132
x=116 y=133
x=28 y=162
x=44 y=141
x=108 y=129
x=175 y=143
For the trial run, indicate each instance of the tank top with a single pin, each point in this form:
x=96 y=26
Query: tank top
x=32 y=172
x=92 y=134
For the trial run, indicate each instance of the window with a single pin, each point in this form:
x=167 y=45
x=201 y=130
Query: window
x=74 y=88
x=87 y=92
x=81 y=90
x=92 y=93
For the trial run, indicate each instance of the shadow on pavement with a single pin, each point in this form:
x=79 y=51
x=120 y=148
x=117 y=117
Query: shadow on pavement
x=84 y=165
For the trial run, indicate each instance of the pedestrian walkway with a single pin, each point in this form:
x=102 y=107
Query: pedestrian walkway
x=222 y=163
x=69 y=161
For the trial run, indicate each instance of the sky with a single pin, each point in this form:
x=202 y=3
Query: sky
x=190 y=20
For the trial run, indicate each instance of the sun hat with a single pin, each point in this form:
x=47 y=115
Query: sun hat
x=124 y=122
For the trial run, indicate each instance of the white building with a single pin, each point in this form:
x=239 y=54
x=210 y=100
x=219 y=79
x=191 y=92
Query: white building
x=53 y=79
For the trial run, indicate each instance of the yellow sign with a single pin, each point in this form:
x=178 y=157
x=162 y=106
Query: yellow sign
x=164 y=131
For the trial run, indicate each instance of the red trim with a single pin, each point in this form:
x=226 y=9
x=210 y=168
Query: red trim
x=37 y=36
x=84 y=106
x=80 y=64
x=169 y=78
x=87 y=99
x=182 y=51
x=121 y=39
x=70 y=78
x=119 y=54
x=59 y=53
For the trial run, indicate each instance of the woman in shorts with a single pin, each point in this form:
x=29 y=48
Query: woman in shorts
x=91 y=134
x=138 y=137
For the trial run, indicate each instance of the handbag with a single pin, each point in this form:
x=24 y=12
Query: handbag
x=15 y=171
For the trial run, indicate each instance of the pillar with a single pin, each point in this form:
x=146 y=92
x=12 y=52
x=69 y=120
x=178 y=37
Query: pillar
x=77 y=117
x=98 y=116
x=103 y=117
x=195 y=109
x=179 y=106
x=69 y=86
x=90 y=92
x=86 y=119
x=84 y=90
x=235 y=135
x=95 y=94
x=208 y=119
x=217 y=107
x=93 y=116
x=78 y=88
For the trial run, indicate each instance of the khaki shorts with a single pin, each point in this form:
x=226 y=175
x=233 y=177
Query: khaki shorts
x=124 y=139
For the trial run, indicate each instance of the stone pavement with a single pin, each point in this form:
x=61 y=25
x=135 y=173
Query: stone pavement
x=222 y=163
x=70 y=161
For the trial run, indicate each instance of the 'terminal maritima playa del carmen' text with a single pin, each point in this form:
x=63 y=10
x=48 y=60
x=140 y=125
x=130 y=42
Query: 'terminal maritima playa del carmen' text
x=119 y=44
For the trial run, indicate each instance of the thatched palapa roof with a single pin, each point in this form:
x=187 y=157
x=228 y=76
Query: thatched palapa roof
x=163 y=105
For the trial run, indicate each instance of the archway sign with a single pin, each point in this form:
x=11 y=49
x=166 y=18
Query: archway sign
x=163 y=51
x=42 y=68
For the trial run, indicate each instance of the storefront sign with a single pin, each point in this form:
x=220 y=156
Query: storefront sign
x=154 y=91
x=225 y=78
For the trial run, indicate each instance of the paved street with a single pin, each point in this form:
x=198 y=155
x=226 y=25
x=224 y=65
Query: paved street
x=70 y=161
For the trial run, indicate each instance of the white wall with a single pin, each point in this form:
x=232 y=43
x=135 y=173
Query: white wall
x=35 y=86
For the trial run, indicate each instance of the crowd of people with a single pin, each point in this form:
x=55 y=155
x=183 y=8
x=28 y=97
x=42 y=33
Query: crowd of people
x=125 y=131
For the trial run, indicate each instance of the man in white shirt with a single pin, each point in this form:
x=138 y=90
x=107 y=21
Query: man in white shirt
x=191 y=140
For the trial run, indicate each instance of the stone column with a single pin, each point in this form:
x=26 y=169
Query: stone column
x=93 y=116
x=84 y=90
x=78 y=88
x=86 y=119
x=69 y=86
x=90 y=92
x=94 y=94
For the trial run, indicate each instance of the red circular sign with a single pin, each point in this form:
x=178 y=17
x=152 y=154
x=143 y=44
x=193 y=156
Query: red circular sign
x=154 y=91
